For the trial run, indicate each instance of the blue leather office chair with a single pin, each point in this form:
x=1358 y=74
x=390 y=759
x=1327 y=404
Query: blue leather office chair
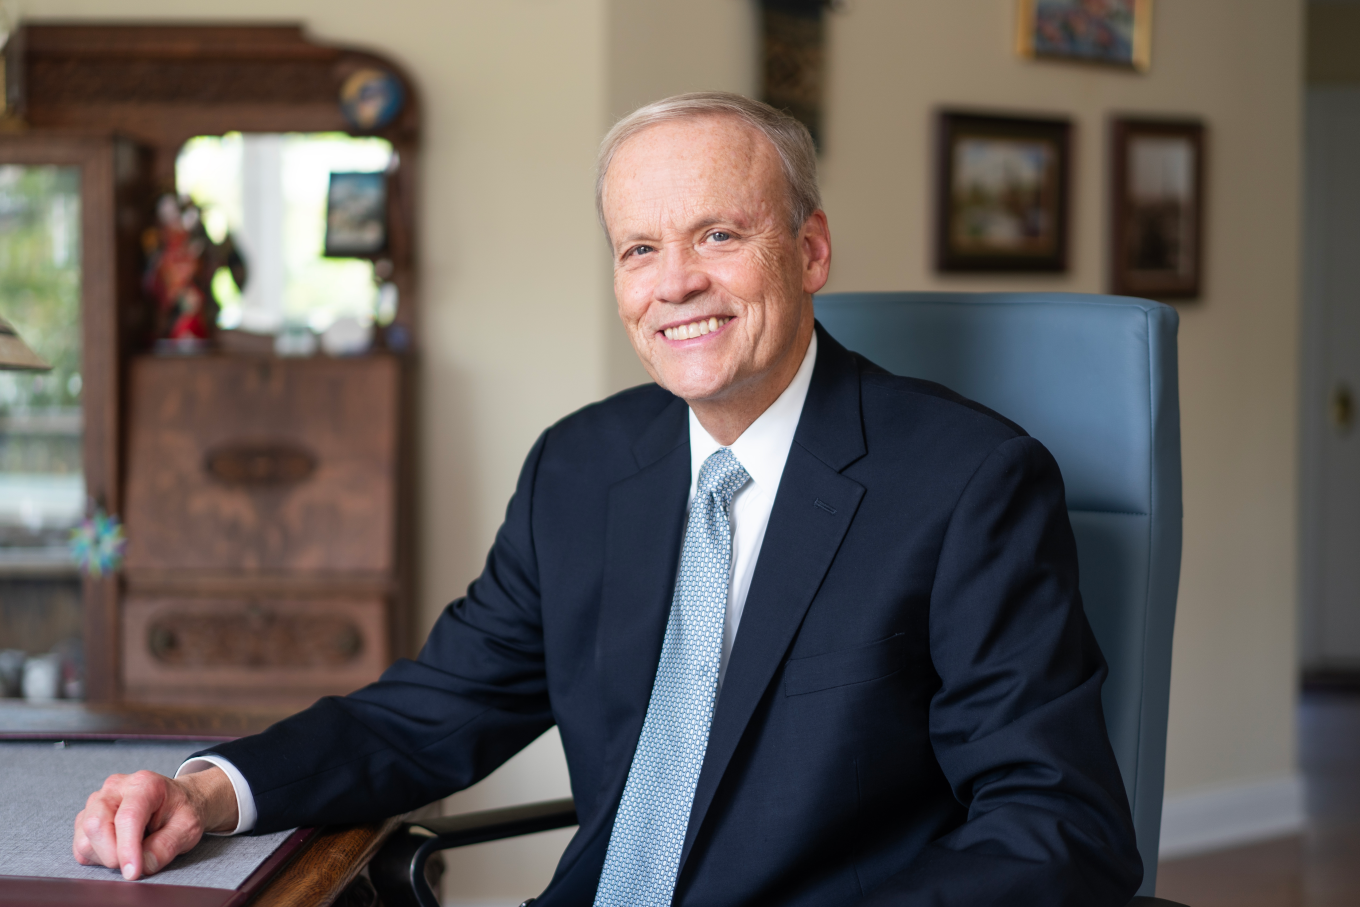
x=1094 y=379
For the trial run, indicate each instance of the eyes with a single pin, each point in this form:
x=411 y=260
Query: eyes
x=640 y=250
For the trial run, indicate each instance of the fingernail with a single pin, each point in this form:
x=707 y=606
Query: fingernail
x=149 y=862
x=128 y=871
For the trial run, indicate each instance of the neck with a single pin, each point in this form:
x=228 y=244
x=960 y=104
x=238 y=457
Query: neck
x=726 y=418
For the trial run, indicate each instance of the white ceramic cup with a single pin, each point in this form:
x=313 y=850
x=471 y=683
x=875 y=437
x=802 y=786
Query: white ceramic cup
x=42 y=678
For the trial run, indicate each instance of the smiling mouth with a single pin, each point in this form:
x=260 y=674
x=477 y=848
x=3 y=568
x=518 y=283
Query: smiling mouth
x=696 y=328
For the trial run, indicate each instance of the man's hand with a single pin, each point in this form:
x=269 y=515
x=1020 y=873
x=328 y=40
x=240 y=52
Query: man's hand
x=139 y=823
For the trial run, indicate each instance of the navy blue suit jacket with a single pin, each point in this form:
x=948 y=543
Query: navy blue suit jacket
x=911 y=713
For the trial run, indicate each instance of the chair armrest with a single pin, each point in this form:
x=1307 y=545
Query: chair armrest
x=1154 y=902
x=398 y=869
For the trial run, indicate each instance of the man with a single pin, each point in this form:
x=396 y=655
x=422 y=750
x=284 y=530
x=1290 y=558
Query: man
x=811 y=632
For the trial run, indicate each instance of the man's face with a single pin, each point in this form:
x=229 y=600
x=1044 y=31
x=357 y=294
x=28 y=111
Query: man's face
x=712 y=286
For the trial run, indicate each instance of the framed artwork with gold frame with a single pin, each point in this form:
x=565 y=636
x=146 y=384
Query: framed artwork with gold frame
x=1106 y=32
x=1001 y=193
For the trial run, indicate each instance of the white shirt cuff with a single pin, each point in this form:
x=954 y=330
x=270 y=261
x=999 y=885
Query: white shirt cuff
x=245 y=800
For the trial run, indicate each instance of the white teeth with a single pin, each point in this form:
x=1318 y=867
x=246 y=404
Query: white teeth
x=695 y=328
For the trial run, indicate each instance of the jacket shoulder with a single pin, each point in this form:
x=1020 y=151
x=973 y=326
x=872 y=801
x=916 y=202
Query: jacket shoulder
x=895 y=396
x=599 y=438
x=626 y=413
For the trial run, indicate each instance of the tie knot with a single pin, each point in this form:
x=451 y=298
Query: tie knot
x=722 y=474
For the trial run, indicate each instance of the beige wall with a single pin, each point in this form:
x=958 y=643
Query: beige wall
x=519 y=325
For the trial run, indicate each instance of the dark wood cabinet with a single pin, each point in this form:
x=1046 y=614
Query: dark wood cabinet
x=261 y=507
x=255 y=466
x=267 y=501
x=284 y=647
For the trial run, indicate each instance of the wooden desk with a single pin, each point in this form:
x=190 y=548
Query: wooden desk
x=314 y=877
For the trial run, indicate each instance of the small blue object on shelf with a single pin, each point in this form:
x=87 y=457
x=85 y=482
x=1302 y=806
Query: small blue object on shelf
x=97 y=544
x=371 y=98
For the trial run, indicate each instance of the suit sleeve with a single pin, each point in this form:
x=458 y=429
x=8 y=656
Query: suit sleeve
x=476 y=694
x=1017 y=725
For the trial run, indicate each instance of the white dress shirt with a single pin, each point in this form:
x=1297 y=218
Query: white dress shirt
x=762 y=449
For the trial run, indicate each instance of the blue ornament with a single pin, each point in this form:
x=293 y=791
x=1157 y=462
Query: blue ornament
x=371 y=98
x=97 y=544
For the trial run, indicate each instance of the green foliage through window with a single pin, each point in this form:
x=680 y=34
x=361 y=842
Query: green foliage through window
x=40 y=281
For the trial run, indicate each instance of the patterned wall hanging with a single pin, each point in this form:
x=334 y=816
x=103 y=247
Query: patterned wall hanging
x=794 y=52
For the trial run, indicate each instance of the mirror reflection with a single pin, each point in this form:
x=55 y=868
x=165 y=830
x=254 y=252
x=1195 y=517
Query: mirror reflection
x=268 y=193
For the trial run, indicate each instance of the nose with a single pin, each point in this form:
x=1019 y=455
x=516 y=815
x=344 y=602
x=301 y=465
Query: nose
x=682 y=275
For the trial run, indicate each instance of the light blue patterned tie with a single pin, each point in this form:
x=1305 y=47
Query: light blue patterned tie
x=649 y=829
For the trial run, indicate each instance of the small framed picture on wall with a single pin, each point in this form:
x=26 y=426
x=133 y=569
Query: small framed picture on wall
x=1157 y=208
x=1107 y=32
x=1001 y=193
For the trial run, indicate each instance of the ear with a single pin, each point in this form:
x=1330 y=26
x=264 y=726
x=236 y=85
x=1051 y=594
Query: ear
x=814 y=242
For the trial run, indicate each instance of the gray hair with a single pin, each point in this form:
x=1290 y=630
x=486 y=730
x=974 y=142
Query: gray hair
x=790 y=138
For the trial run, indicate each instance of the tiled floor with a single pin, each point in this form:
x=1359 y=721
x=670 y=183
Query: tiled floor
x=1320 y=868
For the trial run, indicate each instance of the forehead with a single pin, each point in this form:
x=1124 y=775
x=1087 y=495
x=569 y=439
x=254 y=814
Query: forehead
x=697 y=167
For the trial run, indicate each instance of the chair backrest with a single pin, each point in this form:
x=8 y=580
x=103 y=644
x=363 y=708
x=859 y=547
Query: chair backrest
x=1094 y=379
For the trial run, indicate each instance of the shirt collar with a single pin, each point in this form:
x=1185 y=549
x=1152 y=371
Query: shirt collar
x=764 y=447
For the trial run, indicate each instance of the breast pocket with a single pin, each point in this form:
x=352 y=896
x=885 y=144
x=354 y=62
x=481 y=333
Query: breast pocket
x=842 y=667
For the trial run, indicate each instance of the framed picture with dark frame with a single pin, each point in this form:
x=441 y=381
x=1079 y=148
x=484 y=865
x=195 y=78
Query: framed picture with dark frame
x=1109 y=32
x=1157 y=208
x=1002 y=193
x=356 y=215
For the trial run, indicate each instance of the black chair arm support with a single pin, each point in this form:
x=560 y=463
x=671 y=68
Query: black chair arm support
x=398 y=869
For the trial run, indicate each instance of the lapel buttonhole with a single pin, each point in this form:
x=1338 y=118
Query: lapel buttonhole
x=827 y=507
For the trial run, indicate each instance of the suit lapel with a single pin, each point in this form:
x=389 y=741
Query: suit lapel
x=812 y=512
x=642 y=547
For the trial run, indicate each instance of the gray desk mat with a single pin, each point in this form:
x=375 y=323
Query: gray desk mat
x=43 y=786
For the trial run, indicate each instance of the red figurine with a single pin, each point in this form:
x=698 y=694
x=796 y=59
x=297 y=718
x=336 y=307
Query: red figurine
x=181 y=262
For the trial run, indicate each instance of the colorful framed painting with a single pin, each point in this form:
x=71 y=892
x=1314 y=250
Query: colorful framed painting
x=1108 y=32
x=1001 y=193
x=1157 y=207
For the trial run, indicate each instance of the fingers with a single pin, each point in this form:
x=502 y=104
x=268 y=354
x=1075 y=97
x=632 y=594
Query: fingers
x=80 y=843
x=110 y=831
x=143 y=794
x=95 y=838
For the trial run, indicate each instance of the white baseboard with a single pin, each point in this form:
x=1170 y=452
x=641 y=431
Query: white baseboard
x=1210 y=819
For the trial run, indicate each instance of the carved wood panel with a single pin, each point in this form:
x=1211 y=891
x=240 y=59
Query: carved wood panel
x=176 y=648
x=259 y=465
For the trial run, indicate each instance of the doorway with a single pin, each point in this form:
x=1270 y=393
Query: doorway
x=1329 y=635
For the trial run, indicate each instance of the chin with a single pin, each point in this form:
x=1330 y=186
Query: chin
x=691 y=389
